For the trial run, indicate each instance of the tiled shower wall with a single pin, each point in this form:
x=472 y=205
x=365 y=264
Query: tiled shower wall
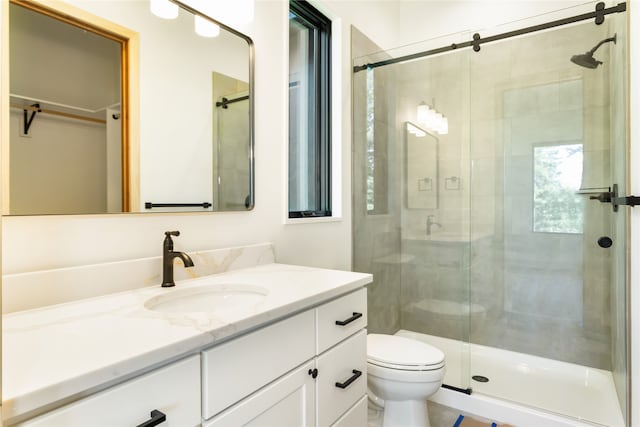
x=376 y=231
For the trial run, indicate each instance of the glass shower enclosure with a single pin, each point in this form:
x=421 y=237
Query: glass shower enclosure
x=487 y=237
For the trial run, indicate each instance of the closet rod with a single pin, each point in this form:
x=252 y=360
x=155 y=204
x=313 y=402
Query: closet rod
x=59 y=113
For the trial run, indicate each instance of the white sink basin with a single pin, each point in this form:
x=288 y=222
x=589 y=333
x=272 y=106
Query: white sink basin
x=219 y=298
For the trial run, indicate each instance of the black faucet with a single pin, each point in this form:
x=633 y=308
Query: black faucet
x=168 y=254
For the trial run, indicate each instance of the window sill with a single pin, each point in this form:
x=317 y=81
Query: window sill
x=312 y=220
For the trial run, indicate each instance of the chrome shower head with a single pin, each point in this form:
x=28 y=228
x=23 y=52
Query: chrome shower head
x=587 y=60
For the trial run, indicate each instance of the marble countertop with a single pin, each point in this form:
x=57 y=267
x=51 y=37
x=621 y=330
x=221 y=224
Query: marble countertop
x=59 y=353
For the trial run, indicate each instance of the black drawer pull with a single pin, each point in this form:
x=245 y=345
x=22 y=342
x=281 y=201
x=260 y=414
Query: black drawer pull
x=349 y=320
x=347 y=383
x=157 y=417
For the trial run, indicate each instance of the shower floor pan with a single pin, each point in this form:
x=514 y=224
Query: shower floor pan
x=525 y=390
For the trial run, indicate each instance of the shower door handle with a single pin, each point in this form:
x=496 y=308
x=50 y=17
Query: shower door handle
x=612 y=197
x=602 y=197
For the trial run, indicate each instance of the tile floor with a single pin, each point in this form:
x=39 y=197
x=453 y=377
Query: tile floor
x=439 y=415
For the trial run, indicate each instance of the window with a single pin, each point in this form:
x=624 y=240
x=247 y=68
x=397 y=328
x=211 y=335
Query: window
x=309 y=112
x=557 y=172
x=377 y=152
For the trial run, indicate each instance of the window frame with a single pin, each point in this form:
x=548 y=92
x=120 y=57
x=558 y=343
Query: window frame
x=319 y=138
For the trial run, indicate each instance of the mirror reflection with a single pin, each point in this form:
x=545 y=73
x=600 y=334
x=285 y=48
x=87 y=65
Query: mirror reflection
x=422 y=168
x=118 y=110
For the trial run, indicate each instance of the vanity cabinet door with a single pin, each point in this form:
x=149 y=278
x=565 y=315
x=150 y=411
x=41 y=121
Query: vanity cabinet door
x=237 y=368
x=355 y=417
x=286 y=402
x=173 y=390
x=342 y=378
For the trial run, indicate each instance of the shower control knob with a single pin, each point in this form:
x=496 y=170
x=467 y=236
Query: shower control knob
x=605 y=242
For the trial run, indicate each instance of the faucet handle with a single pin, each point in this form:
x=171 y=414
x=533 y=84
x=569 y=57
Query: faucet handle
x=172 y=233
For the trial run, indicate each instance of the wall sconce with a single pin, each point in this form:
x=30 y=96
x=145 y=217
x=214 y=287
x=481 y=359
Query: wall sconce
x=163 y=9
x=206 y=28
x=433 y=120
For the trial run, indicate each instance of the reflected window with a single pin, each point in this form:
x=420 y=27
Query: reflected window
x=377 y=156
x=371 y=178
x=557 y=174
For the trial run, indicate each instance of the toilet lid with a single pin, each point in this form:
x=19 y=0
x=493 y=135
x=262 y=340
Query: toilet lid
x=400 y=351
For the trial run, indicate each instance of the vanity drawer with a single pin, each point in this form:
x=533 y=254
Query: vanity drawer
x=349 y=310
x=174 y=390
x=234 y=370
x=340 y=366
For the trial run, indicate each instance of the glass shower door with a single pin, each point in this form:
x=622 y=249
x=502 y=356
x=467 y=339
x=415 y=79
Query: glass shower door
x=411 y=199
x=546 y=134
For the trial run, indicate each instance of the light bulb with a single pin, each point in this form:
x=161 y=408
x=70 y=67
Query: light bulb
x=206 y=28
x=437 y=121
x=423 y=111
x=431 y=120
x=163 y=9
x=444 y=127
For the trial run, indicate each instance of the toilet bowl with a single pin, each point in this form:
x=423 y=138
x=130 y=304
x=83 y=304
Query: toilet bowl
x=402 y=373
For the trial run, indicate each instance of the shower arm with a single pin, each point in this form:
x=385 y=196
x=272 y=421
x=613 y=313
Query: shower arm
x=610 y=39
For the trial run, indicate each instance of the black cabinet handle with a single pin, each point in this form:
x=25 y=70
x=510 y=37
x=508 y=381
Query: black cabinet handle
x=349 y=320
x=347 y=383
x=157 y=417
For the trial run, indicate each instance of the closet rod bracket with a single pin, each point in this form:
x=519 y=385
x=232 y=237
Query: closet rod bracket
x=35 y=108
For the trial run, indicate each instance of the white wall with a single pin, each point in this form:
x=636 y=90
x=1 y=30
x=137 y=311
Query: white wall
x=427 y=19
x=34 y=243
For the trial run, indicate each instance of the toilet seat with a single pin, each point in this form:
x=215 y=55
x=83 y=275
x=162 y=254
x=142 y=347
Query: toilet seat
x=399 y=353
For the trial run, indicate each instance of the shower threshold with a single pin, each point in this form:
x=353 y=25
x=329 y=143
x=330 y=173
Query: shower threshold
x=524 y=388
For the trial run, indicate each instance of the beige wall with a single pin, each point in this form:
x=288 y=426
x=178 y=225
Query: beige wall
x=46 y=176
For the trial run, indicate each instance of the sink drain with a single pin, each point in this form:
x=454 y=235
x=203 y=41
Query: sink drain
x=480 y=378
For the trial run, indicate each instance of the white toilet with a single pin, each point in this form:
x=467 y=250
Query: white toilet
x=402 y=374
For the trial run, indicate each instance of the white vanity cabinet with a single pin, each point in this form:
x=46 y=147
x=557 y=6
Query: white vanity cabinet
x=307 y=370
x=172 y=391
